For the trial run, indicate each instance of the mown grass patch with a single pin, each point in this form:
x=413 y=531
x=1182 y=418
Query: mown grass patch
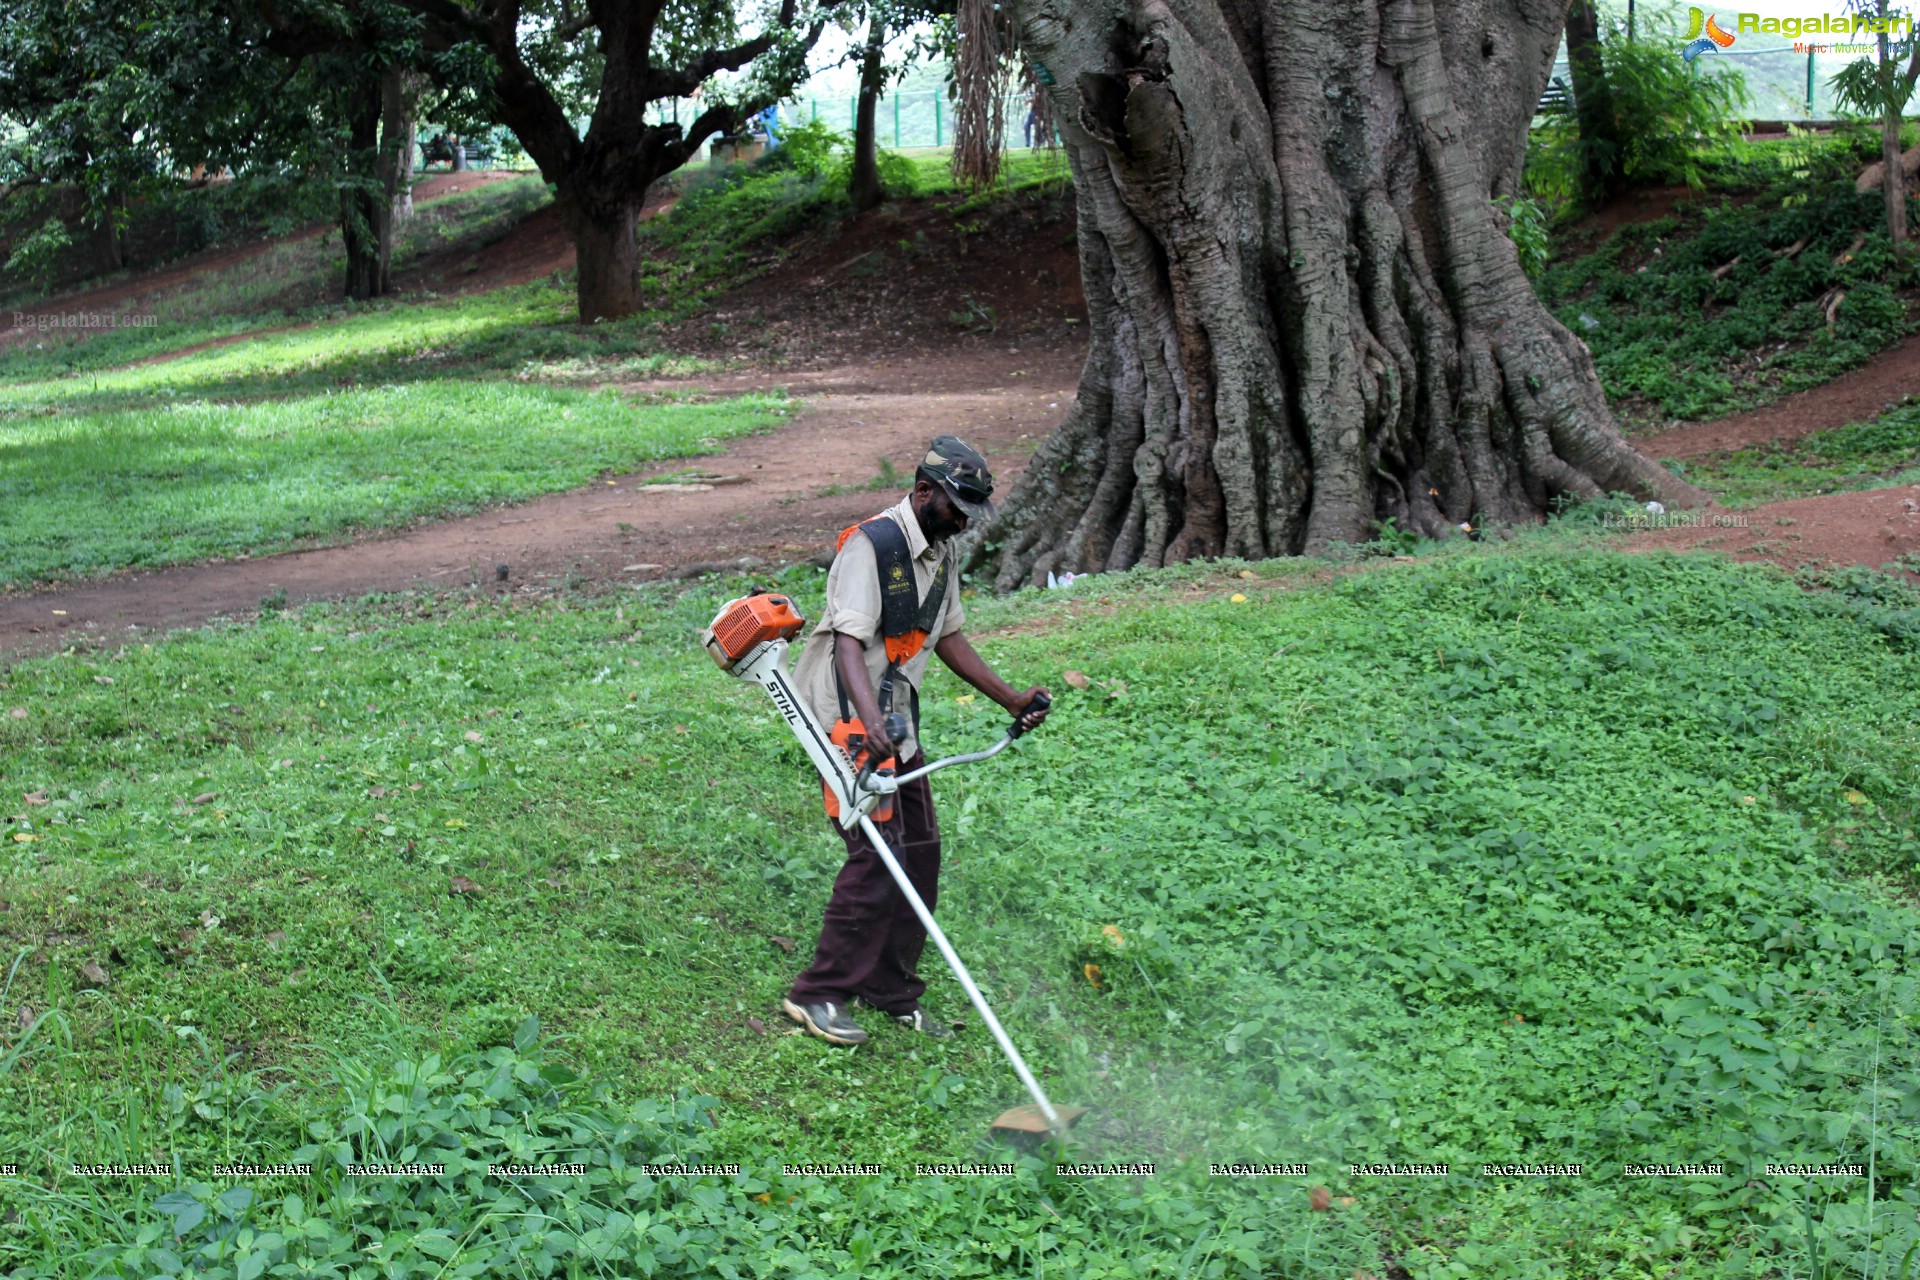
x=87 y=494
x=1709 y=312
x=285 y=281
x=528 y=332
x=1861 y=455
x=1508 y=856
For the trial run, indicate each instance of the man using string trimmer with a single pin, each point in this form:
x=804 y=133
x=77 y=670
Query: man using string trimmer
x=893 y=595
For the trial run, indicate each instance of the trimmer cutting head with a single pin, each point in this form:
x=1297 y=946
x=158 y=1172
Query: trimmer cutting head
x=1027 y=1125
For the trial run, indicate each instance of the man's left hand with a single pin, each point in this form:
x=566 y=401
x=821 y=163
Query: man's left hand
x=1032 y=718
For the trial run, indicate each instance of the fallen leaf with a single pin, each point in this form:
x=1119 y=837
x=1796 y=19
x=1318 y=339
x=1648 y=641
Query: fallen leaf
x=549 y=880
x=275 y=938
x=1078 y=679
x=759 y=1027
x=1855 y=797
x=35 y=797
x=1092 y=972
x=1117 y=689
x=94 y=974
x=26 y=1017
x=1237 y=598
x=1247 y=574
x=103 y=679
x=785 y=944
x=378 y=793
x=463 y=885
x=22 y=837
x=18 y=713
x=1346 y=1201
x=1321 y=1199
x=286 y=764
x=206 y=796
x=1113 y=935
x=456 y=823
x=472 y=736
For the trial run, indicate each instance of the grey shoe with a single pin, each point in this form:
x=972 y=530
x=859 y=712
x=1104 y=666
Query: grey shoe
x=827 y=1020
x=926 y=1026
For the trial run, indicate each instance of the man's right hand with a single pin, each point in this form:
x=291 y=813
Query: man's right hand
x=880 y=748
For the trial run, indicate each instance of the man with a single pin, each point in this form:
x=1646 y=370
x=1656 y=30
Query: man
x=893 y=596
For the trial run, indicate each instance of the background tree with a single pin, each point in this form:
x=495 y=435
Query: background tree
x=550 y=63
x=1879 y=86
x=1602 y=168
x=863 y=179
x=1305 y=315
x=360 y=62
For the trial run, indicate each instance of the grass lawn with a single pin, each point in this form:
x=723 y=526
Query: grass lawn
x=90 y=493
x=1527 y=855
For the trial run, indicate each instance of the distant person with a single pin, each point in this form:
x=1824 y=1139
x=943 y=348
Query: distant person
x=1033 y=121
x=770 y=125
x=437 y=149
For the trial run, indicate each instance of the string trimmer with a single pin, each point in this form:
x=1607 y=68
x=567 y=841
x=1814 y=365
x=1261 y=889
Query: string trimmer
x=748 y=639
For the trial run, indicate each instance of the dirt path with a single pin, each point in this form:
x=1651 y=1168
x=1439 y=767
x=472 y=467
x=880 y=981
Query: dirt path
x=1859 y=395
x=1003 y=402
x=1873 y=527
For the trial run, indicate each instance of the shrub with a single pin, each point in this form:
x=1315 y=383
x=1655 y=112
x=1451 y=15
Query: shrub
x=1673 y=117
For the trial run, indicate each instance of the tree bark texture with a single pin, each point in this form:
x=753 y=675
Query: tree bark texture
x=399 y=133
x=366 y=210
x=863 y=182
x=1305 y=314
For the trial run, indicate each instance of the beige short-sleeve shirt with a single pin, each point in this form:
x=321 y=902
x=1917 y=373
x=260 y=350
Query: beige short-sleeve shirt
x=853 y=608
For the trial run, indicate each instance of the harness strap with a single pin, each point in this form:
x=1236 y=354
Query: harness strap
x=905 y=618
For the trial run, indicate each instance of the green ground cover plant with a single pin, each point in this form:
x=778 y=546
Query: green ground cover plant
x=1861 y=455
x=1511 y=854
x=1720 y=309
x=90 y=493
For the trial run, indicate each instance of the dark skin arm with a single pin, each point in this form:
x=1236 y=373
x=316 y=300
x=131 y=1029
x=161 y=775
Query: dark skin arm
x=958 y=653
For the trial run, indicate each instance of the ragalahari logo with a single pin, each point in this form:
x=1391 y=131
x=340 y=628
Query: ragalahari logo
x=1703 y=35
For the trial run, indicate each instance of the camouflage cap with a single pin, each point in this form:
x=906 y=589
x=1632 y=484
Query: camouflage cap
x=957 y=467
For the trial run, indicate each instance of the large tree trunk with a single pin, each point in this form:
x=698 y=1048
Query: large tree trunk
x=1602 y=172
x=607 y=252
x=863 y=184
x=1305 y=316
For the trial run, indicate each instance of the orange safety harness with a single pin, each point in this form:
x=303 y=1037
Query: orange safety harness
x=906 y=620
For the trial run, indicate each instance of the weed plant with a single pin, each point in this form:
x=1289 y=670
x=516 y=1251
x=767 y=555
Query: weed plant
x=1705 y=313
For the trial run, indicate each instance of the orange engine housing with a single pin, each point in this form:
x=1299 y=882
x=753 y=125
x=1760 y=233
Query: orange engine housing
x=743 y=625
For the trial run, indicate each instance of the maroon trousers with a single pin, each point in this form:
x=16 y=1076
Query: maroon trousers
x=870 y=940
